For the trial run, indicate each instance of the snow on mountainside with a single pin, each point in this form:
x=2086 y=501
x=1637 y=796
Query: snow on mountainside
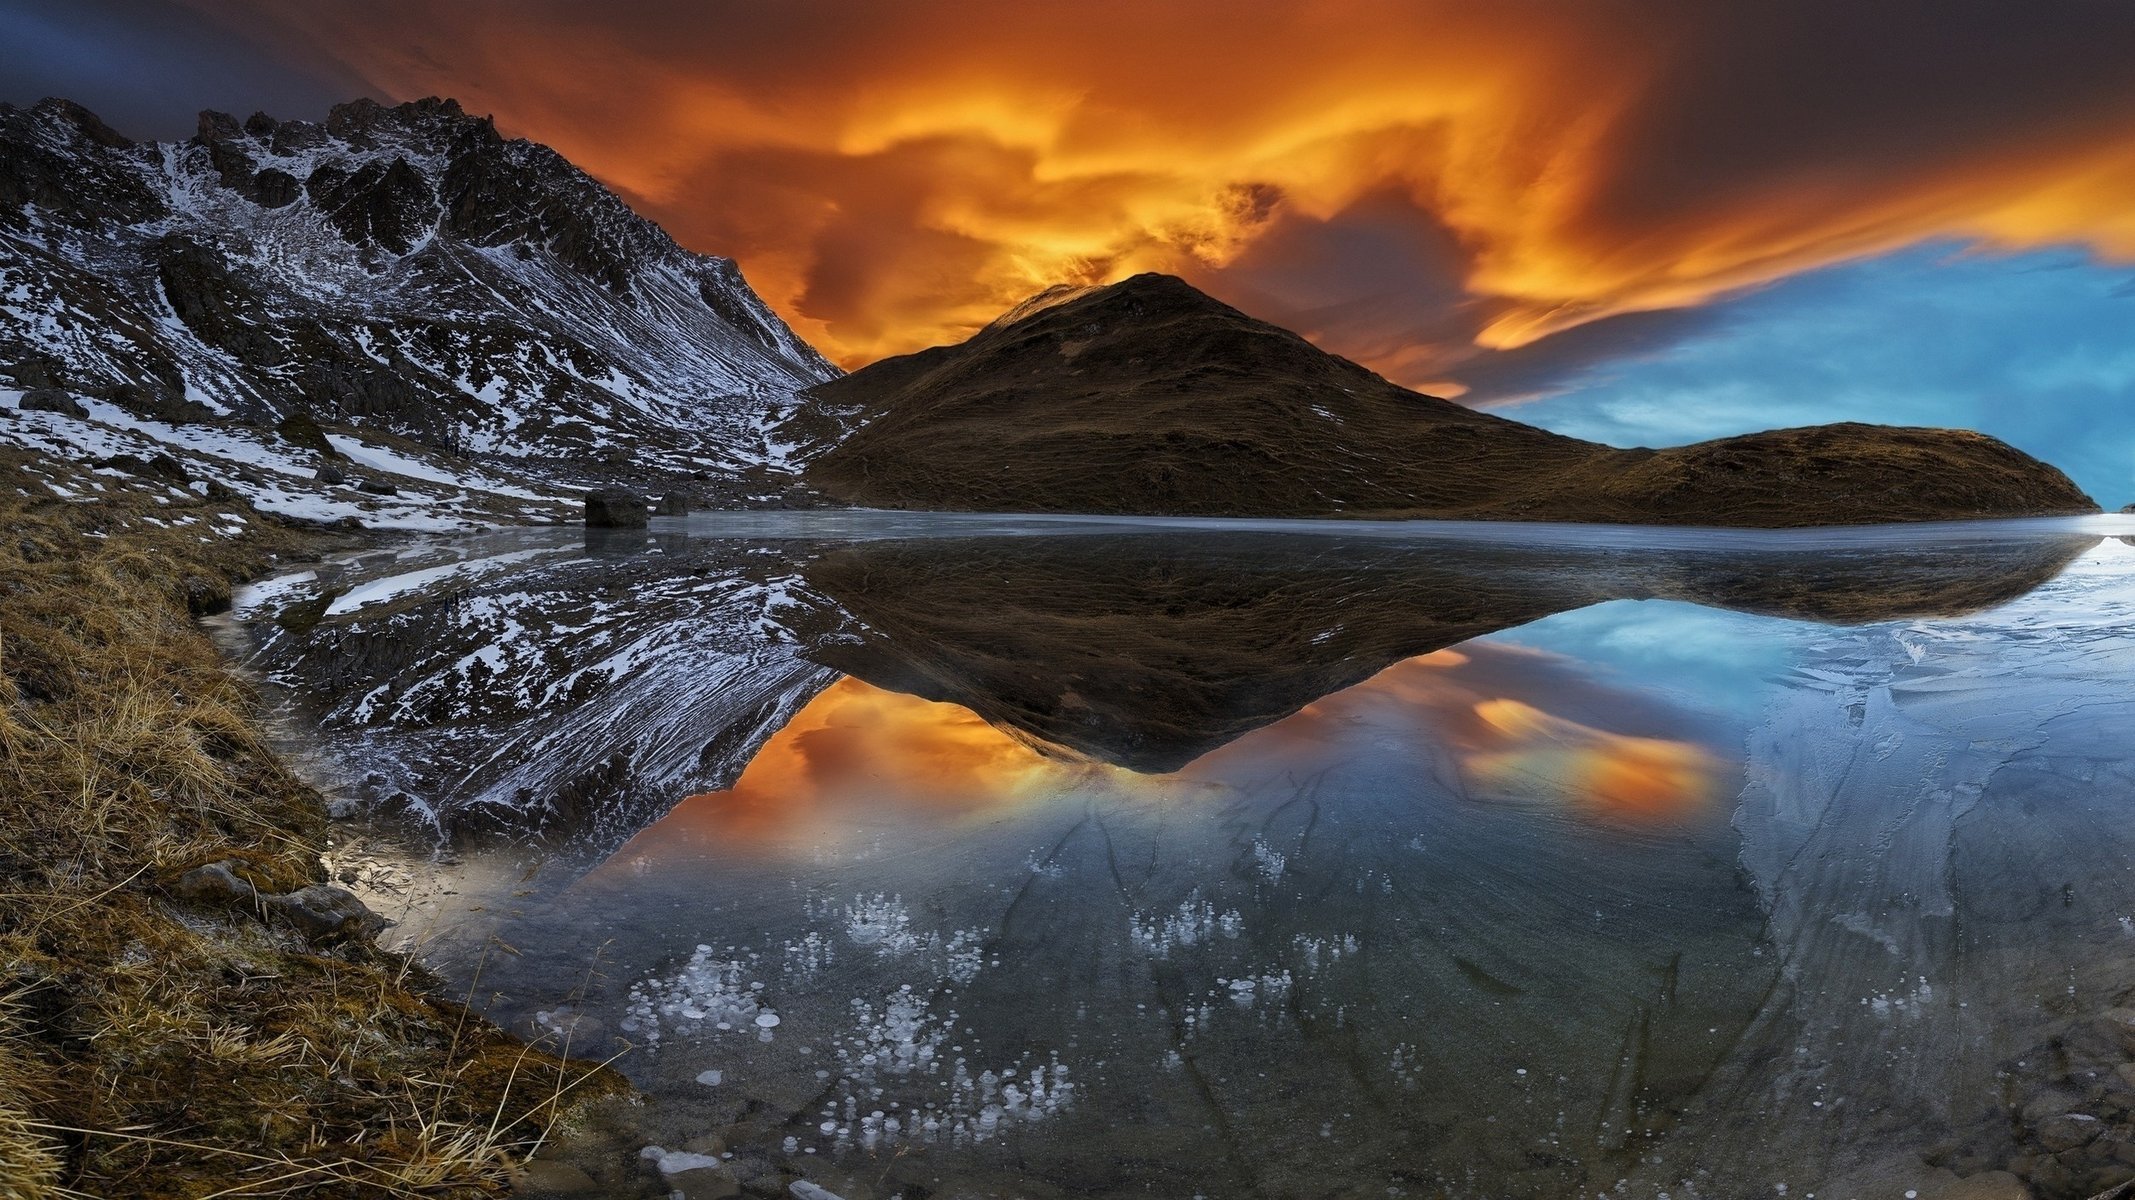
x=404 y=275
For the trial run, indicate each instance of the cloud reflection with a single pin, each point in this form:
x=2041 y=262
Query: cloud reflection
x=1517 y=724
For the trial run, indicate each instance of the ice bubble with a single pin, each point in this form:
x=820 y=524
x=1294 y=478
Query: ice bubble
x=710 y=1078
x=767 y=1020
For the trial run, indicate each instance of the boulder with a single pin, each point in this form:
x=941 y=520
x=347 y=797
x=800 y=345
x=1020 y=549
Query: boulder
x=300 y=429
x=321 y=912
x=331 y=475
x=615 y=509
x=53 y=400
x=157 y=466
x=211 y=883
x=159 y=404
x=377 y=487
x=2068 y=1131
x=674 y=504
x=326 y=912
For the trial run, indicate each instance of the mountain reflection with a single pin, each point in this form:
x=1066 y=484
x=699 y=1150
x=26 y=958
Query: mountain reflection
x=1517 y=726
x=1150 y=651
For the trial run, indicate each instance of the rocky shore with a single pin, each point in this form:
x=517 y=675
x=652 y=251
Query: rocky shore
x=188 y=1005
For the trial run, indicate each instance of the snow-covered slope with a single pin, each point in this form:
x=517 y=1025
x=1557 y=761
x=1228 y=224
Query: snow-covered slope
x=405 y=272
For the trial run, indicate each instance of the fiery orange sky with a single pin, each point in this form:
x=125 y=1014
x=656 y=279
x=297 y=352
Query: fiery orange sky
x=1441 y=189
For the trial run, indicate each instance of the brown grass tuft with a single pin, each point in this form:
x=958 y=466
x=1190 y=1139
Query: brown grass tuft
x=152 y=1048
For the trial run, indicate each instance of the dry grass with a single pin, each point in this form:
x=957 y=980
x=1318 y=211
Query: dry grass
x=149 y=1048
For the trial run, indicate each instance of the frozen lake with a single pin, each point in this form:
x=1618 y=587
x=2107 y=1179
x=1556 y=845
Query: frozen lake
x=985 y=856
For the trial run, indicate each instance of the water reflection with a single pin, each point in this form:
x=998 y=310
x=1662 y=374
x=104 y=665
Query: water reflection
x=856 y=746
x=1472 y=918
x=1116 y=866
x=1151 y=651
x=857 y=757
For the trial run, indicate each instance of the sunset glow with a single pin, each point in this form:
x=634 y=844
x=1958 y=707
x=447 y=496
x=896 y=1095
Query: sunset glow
x=1418 y=185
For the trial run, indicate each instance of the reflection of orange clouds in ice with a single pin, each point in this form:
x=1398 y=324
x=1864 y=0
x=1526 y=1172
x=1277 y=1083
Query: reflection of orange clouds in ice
x=857 y=754
x=859 y=746
x=1490 y=705
x=1628 y=776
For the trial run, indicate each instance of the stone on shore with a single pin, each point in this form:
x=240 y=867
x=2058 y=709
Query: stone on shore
x=615 y=509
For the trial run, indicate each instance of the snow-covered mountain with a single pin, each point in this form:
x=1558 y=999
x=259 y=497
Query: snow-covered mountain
x=401 y=273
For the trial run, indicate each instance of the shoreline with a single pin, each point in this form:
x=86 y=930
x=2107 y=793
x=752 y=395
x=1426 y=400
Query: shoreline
x=190 y=1004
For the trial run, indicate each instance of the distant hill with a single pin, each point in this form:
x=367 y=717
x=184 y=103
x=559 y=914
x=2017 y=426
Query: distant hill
x=1147 y=396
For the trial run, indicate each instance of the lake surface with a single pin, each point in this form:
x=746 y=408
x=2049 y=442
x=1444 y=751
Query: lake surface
x=999 y=857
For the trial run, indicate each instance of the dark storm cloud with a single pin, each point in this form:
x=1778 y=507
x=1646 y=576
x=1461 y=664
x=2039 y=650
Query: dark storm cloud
x=148 y=68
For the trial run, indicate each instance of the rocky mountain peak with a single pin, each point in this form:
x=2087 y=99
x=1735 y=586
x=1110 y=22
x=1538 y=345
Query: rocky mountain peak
x=86 y=124
x=400 y=265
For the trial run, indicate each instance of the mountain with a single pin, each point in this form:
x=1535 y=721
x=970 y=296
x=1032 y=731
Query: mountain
x=404 y=272
x=1147 y=396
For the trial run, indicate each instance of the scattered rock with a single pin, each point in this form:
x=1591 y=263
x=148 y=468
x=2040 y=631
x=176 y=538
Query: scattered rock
x=615 y=509
x=53 y=400
x=322 y=912
x=158 y=466
x=2068 y=1131
x=706 y=1143
x=377 y=487
x=331 y=475
x=326 y=912
x=211 y=883
x=2049 y=1102
x=545 y=1178
x=159 y=404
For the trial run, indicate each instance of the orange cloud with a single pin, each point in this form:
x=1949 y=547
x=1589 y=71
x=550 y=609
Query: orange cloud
x=891 y=176
x=1532 y=750
x=1520 y=723
x=856 y=747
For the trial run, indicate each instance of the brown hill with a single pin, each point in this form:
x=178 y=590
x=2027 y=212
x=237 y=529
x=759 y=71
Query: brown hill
x=1147 y=396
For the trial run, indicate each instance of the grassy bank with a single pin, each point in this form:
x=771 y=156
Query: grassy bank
x=186 y=1010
